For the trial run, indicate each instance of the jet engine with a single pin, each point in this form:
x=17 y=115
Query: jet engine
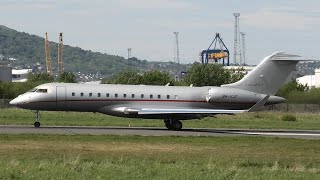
x=232 y=95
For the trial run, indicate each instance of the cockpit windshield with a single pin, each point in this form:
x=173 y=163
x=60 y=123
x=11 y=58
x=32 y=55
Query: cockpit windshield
x=33 y=90
x=39 y=90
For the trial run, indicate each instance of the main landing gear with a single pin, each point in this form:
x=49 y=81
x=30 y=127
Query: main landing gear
x=173 y=124
x=37 y=118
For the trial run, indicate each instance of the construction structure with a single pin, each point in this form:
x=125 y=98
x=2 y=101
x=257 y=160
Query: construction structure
x=47 y=52
x=176 y=52
x=243 y=49
x=237 y=48
x=60 y=55
x=217 y=53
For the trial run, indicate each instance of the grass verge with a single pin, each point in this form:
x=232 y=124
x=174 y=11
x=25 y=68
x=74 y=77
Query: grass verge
x=135 y=157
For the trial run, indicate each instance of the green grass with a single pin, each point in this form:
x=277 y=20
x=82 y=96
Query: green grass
x=261 y=120
x=135 y=157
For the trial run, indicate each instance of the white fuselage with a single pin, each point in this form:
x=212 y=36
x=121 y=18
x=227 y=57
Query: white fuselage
x=113 y=99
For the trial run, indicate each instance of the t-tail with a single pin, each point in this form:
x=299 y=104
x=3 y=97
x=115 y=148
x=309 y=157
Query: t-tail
x=270 y=74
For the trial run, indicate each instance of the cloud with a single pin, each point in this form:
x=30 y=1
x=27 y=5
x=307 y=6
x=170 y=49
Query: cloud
x=156 y=4
x=281 y=18
x=28 y=4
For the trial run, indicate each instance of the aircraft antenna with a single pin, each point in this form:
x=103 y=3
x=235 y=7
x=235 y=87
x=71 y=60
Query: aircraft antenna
x=47 y=52
x=60 y=55
x=237 y=50
x=243 y=51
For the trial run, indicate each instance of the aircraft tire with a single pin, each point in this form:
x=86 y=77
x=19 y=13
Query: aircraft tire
x=36 y=124
x=177 y=125
x=168 y=125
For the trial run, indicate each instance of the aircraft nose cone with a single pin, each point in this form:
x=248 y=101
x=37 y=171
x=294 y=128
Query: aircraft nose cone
x=13 y=102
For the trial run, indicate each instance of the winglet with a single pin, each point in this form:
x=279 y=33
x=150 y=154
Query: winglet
x=259 y=104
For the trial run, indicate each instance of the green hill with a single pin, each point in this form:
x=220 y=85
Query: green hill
x=29 y=50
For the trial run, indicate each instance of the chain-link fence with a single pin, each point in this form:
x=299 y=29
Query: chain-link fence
x=295 y=107
x=4 y=103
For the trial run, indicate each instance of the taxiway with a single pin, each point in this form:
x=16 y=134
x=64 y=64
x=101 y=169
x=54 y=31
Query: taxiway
x=153 y=131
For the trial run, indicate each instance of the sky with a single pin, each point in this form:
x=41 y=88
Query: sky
x=147 y=26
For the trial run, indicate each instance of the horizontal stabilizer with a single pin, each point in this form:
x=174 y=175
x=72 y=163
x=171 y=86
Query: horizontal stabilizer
x=281 y=56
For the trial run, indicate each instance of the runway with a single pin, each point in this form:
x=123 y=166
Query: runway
x=151 y=131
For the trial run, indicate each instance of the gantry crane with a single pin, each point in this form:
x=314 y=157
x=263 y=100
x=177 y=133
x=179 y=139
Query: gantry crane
x=60 y=55
x=217 y=53
x=47 y=52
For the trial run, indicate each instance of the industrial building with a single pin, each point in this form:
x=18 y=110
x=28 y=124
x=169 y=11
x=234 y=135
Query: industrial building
x=312 y=81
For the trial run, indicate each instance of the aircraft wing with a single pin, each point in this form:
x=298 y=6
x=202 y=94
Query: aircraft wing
x=155 y=111
x=188 y=111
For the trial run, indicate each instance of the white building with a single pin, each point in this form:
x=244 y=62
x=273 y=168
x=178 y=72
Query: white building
x=20 y=75
x=312 y=81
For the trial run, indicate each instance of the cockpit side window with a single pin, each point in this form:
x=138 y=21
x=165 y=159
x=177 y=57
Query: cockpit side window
x=42 y=90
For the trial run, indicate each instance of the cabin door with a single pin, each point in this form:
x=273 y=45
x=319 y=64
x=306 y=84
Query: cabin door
x=61 y=97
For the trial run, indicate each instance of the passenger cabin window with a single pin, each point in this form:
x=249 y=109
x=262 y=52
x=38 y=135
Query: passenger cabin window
x=168 y=96
x=176 y=96
x=124 y=95
x=132 y=95
x=159 y=96
x=81 y=94
x=90 y=94
x=142 y=95
x=107 y=95
x=116 y=95
x=99 y=94
x=73 y=94
x=151 y=96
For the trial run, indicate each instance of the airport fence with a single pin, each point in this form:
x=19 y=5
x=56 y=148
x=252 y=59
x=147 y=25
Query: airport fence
x=284 y=107
x=4 y=103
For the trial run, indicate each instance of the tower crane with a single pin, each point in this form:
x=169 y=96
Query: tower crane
x=60 y=55
x=47 y=52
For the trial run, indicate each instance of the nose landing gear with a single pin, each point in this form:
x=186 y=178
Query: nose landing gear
x=173 y=124
x=37 y=118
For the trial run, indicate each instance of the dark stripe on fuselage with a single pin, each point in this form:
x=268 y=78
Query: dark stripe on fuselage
x=144 y=100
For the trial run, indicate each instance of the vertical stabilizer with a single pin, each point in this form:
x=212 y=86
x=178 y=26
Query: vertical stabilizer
x=269 y=75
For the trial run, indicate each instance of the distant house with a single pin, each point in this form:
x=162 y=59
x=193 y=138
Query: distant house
x=13 y=59
x=2 y=57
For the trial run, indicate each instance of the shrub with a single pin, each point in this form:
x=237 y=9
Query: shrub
x=288 y=117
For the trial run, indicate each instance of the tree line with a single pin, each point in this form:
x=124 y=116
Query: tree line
x=197 y=75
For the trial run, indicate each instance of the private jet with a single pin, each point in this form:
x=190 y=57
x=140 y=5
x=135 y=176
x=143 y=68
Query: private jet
x=171 y=103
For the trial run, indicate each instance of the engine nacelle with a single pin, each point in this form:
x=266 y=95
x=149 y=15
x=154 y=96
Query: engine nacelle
x=231 y=95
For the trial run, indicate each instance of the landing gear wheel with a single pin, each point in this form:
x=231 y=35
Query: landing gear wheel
x=36 y=124
x=36 y=118
x=173 y=124
x=167 y=123
x=176 y=125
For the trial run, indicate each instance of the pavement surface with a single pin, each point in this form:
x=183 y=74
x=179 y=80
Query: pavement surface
x=152 y=131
